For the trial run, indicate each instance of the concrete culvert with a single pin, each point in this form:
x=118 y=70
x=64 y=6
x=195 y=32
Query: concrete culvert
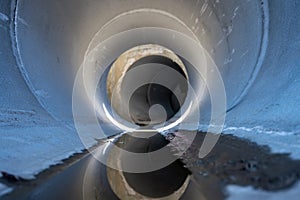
x=53 y=51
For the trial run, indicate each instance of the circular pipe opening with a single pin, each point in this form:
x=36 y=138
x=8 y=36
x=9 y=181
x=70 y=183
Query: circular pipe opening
x=151 y=102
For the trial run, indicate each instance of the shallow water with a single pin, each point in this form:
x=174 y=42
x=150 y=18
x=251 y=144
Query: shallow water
x=233 y=161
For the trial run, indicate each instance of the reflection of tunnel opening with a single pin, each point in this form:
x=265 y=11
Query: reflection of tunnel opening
x=160 y=183
x=155 y=184
x=152 y=94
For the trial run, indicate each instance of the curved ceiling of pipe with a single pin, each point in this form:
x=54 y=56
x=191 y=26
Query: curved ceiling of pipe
x=53 y=37
x=53 y=41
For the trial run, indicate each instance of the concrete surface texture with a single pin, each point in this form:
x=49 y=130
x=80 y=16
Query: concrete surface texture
x=254 y=43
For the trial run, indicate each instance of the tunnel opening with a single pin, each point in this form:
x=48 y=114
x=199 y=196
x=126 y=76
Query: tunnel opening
x=154 y=103
x=158 y=95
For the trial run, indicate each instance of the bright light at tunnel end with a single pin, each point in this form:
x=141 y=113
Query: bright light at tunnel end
x=90 y=113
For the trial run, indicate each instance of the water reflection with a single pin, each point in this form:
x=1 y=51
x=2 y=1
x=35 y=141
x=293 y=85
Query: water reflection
x=232 y=161
x=169 y=182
